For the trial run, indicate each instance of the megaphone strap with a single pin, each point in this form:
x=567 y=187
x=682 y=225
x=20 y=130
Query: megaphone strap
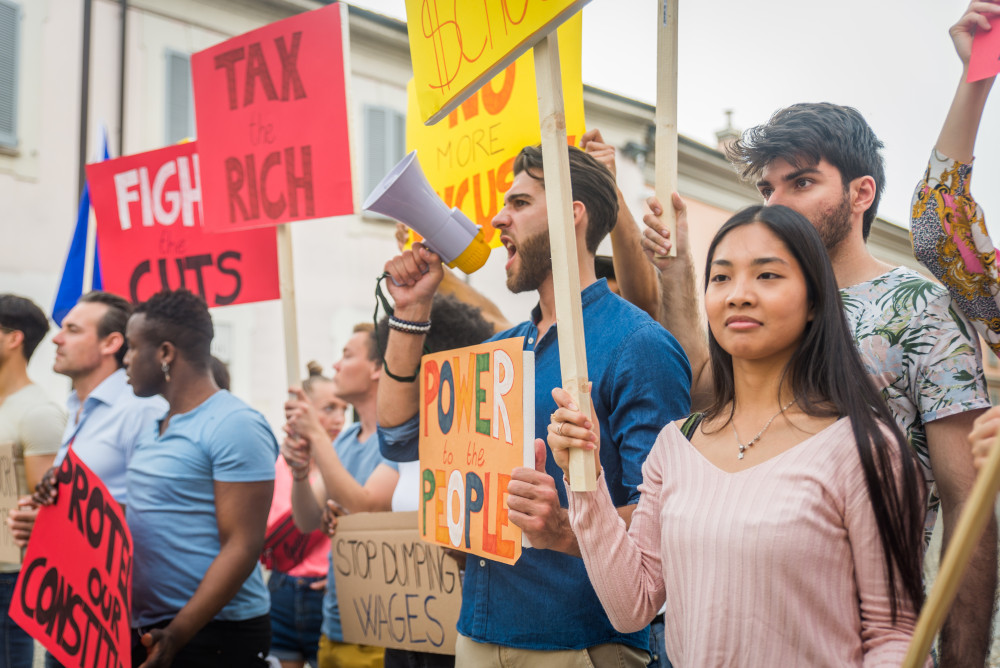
x=400 y=379
x=381 y=298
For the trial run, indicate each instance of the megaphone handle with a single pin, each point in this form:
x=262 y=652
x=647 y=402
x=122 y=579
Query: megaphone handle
x=399 y=285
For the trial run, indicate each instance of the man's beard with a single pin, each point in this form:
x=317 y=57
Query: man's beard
x=834 y=225
x=535 y=261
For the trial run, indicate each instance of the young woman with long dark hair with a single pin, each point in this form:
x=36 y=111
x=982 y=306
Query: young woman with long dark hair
x=782 y=526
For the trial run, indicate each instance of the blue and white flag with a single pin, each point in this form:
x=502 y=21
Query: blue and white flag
x=71 y=284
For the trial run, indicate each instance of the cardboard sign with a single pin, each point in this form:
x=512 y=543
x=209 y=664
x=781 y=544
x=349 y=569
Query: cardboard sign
x=9 y=551
x=271 y=111
x=456 y=47
x=469 y=158
x=151 y=237
x=394 y=590
x=75 y=589
x=477 y=423
x=984 y=61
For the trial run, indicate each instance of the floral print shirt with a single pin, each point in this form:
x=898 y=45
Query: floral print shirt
x=949 y=236
x=920 y=351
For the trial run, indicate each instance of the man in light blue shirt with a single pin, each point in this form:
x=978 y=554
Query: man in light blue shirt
x=353 y=474
x=105 y=416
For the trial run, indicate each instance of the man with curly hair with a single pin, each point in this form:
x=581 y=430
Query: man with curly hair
x=824 y=161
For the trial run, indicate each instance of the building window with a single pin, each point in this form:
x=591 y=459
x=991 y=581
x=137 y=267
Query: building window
x=385 y=143
x=180 y=98
x=10 y=25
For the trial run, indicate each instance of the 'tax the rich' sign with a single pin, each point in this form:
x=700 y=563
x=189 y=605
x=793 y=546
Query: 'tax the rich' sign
x=271 y=110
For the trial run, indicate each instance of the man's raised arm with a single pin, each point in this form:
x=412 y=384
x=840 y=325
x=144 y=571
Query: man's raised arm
x=679 y=312
x=637 y=279
x=414 y=276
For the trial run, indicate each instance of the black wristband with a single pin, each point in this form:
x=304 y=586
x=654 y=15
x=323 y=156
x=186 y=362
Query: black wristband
x=401 y=379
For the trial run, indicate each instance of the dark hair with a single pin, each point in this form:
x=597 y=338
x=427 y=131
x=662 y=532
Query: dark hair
x=827 y=378
x=592 y=184
x=454 y=324
x=315 y=370
x=113 y=320
x=604 y=267
x=810 y=132
x=180 y=317
x=220 y=372
x=24 y=315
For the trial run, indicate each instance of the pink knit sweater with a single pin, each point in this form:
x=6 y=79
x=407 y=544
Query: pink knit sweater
x=777 y=565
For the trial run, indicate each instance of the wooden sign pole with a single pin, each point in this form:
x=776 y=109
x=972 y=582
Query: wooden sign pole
x=562 y=237
x=666 y=114
x=968 y=532
x=286 y=281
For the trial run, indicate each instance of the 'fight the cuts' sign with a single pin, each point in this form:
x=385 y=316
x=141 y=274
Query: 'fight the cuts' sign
x=150 y=232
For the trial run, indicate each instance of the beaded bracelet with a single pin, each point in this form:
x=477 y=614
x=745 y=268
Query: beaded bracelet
x=408 y=326
x=300 y=478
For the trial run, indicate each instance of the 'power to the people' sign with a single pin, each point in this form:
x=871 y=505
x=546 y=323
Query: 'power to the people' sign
x=476 y=425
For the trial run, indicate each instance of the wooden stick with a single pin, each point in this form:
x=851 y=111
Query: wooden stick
x=286 y=281
x=90 y=249
x=666 y=115
x=969 y=530
x=562 y=237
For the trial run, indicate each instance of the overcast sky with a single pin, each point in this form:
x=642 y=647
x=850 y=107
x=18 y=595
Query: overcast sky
x=890 y=59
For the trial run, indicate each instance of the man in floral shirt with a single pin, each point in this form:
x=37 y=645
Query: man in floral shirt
x=824 y=161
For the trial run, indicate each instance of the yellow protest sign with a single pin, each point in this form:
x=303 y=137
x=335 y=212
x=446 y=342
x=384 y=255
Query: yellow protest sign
x=477 y=424
x=456 y=47
x=468 y=158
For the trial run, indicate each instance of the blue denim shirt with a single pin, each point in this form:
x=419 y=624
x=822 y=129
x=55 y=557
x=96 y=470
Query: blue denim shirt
x=642 y=381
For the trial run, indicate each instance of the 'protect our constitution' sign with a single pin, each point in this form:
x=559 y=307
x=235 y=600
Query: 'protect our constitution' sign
x=75 y=589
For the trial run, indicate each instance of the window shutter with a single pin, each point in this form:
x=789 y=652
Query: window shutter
x=10 y=20
x=385 y=143
x=180 y=98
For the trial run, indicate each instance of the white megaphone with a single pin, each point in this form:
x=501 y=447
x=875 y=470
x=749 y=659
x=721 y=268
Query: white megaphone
x=405 y=194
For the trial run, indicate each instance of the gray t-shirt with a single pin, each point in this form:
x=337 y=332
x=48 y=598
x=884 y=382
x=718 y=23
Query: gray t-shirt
x=34 y=424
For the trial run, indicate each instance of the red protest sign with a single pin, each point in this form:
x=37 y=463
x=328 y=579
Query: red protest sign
x=985 y=59
x=75 y=589
x=271 y=110
x=150 y=233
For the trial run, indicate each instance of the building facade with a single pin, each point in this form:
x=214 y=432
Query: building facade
x=138 y=87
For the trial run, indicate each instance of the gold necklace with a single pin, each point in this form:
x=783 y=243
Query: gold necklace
x=745 y=447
